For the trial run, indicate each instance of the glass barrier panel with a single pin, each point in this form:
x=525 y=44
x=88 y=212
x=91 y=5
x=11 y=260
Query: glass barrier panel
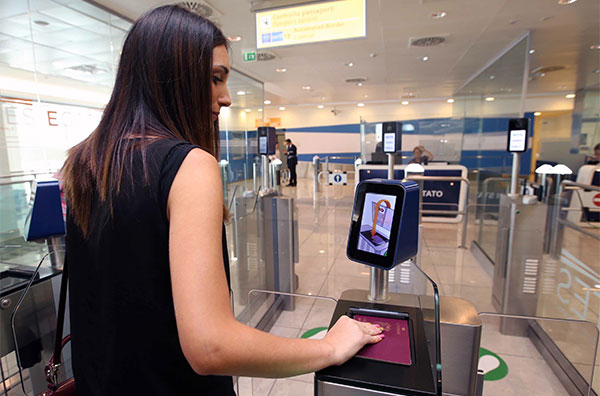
x=535 y=365
x=570 y=284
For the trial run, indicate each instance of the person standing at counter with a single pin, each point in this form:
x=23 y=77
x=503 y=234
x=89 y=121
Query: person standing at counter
x=292 y=160
x=421 y=156
x=147 y=258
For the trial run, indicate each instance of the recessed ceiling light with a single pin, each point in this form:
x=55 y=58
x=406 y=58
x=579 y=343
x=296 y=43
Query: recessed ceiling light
x=41 y=23
x=564 y=2
x=361 y=105
x=490 y=99
x=359 y=84
x=439 y=14
x=247 y=110
x=365 y=96
x=349 y=64
x=373 y=54
x=492 y=77
x=425 y=58
x=241 y=93
x=267 y=102
x=596 y=71
x=547 y=18
x=570 y=96
x=537 y=113
x=281 y=70
x=450 y=100
x=306 y=87
x=322 y=97
x=405 y=102
x=260 y=110
x=512 y=21
x=320 y=106
x=531 y=51
x=282 y=108
x=234 y=39
x=595 y=46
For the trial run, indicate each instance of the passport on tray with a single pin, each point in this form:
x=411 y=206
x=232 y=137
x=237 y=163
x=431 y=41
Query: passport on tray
x=395 y=347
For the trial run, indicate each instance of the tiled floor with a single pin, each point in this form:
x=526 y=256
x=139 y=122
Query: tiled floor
x=324 y=270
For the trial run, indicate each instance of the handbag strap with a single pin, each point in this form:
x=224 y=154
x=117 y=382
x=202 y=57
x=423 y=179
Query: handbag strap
x=60 y=319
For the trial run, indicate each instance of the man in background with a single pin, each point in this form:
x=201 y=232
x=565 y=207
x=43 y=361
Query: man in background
x=292 y=160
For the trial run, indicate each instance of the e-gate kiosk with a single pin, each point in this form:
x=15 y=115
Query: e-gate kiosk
x=408 y=361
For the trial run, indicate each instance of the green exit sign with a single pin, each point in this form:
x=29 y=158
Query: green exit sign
x=249 y=56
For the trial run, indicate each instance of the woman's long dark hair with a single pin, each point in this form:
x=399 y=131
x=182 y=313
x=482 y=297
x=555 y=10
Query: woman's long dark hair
x=162 y=90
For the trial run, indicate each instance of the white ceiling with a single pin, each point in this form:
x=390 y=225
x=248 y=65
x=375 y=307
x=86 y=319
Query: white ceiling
x=476 y=31
x=72 y=39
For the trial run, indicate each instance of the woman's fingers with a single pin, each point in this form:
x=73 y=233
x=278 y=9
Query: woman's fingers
x=370 y=329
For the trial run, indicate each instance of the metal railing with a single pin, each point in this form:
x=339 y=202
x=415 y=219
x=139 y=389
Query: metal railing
x=29 y=173
x=565 y=184
x=464 y=212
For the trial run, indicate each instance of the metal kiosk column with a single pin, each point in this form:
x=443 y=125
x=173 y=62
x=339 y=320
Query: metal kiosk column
x=277 y=232
x=392 y=142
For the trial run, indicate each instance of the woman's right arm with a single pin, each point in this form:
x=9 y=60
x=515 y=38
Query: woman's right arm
x=213 y=341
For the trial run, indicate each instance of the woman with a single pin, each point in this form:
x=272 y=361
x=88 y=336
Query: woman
x=149 y=298
x=419 y=158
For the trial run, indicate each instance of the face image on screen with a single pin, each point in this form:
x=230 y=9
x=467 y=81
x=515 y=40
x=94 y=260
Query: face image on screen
x=376 y=224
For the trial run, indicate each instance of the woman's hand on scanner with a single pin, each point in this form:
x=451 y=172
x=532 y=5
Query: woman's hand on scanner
x=348 y=336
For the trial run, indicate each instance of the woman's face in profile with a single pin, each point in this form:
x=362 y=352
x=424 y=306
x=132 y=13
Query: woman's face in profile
x=220 y=73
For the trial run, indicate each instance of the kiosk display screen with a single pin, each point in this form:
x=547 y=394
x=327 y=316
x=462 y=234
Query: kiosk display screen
x=518 y=140
x=262 y=145
x=517 y=135
x=389 y=142
x=375 y=224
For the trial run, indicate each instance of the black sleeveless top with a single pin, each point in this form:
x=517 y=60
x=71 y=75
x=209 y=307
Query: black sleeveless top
x=124 y=334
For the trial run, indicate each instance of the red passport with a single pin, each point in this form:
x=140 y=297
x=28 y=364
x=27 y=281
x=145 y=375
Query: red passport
x=395 y=347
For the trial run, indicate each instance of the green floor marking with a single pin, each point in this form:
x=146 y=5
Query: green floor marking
x=313 y=332
x=494 y=367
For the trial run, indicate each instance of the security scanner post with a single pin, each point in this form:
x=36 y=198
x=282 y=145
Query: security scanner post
x=267 y=141
x=518 y=259
x=383 y=233
x=408 y=361
x=266 y=224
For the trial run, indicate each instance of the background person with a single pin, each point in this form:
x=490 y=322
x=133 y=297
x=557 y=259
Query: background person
x=292 y=160
x=594 y=159
x=147 y=258
x=421 y=156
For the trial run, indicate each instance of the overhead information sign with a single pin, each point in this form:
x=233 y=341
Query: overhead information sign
x=315 y=22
